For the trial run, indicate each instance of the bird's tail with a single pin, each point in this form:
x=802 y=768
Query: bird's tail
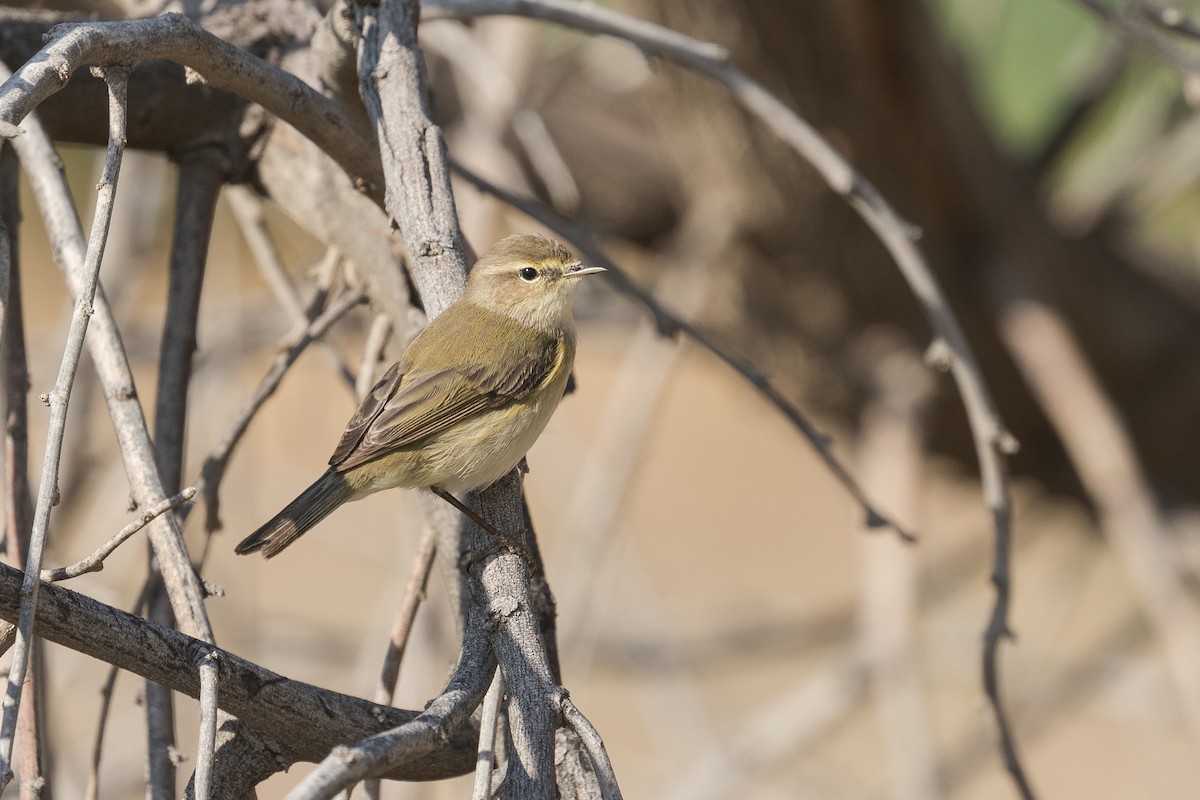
x=313 y=505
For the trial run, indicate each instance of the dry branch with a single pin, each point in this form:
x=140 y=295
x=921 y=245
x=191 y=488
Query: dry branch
x=95 y=561
x=1106 y=461
x=174 y=37
x=594 y=746
x=414 y=593
x=213 y=471
x=205 y=749
x=18 y=505
x=891 y=461
x=200 y=178
x=58 y=400
x=305 y=721
x=108 y=354
x=416 y=739
x=16 y=446
x=248 y=211
x=485 y=757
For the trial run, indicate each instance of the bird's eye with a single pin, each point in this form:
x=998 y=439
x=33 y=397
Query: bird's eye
x=528 y=274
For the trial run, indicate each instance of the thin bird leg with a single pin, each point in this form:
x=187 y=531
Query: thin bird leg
x=513 y=544
x=478 y=520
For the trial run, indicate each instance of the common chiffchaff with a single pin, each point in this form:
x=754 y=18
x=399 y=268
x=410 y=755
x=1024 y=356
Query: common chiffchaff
x=468 y=397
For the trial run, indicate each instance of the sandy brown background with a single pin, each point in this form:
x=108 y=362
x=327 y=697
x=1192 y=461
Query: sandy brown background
x=718 y=622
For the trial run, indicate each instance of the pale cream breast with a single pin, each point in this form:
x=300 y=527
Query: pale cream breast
x=479 y=450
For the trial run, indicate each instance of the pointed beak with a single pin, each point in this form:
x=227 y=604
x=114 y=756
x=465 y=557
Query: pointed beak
x=579 y=270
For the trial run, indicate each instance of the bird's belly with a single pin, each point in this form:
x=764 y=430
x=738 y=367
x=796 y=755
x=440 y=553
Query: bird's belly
x=483 y=449
x=473 y=454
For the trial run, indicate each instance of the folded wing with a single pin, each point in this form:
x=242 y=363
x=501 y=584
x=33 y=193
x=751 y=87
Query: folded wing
x=404 y=409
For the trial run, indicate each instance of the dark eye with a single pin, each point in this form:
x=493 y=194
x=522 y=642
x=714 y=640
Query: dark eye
x=528 y=274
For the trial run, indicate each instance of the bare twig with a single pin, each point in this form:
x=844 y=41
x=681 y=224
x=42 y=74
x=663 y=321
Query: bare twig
x=117 y=79
x=485 y=759
x=418 y=198
x=18 y=505
x=248 y=211
x=95 y=561
x=176 y=38
x=1142 y=29
x=208 y=723
x=498 y=101
x=196 y=202
x=1105 y=460
x=377 y=339
x=890 y=462
x=414 y=593
x=424 y=734
x=132 y=257
x=106 y=692
x=594 y=746
x=209 y=482
x=199 y=188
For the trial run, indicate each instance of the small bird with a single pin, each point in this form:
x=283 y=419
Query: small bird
x=467 y=399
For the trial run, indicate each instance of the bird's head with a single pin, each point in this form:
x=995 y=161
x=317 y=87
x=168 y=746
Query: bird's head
x=529 y=277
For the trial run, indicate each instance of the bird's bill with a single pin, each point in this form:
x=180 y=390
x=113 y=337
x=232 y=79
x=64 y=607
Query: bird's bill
x=579 y=270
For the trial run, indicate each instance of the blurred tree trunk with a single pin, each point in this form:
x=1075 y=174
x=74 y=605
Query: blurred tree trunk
x=876 y=80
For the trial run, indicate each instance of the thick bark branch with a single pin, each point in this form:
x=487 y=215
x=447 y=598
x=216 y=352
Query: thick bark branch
x=304 y=721
x=174 y=37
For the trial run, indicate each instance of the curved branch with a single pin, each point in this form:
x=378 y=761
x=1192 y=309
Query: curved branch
x=95 y=561
x=594 y=745
x=992 y=440
x=173 y=37
x=416 y=738
x=670 y=325
x=306 y=721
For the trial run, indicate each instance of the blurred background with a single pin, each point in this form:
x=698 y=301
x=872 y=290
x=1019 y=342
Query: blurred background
x=725 y=621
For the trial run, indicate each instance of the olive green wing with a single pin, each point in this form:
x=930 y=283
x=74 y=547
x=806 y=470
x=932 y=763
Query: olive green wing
x=370 y=408
x=425 y=405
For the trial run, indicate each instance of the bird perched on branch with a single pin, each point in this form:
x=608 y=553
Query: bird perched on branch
x=467 y=399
